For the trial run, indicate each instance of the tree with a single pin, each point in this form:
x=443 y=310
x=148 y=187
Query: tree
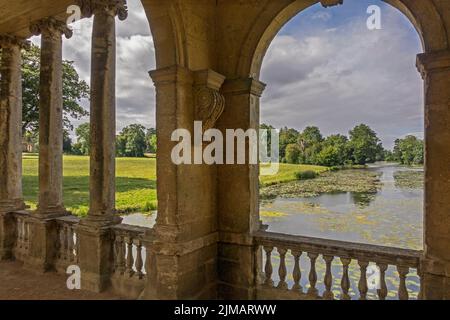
x=74 y=90
x=83 y=145
x=335 y=151
x=310 y=142
x=365 y=144
x=151 y=140
x=409 y=151
x=131 y=142
x=286 y=137
x=67 y=142
x=293 y=153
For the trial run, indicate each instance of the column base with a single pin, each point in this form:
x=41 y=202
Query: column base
x=238 y=272
x=43 y=244
x=7 y=236
x=12 y=205
x=435 y=279
x=96 y=255
x=181 y=270
x=50 y=212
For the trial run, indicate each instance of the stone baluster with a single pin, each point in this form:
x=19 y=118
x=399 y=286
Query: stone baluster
x=345 y=281
x=70 y=244
x=139 y=261
x=65 y=243
x=120 y=258
x=26 y=225
x=20 y=234
x=130 y=258
x=382 y=291
x=268 y=269
x=297 y=273
x=282 y=271
x=328 y=279
x=402 y=290
x=362 y=285
x=312 y=291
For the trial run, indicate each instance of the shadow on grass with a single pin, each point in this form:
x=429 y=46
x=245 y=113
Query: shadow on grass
x=137 y=193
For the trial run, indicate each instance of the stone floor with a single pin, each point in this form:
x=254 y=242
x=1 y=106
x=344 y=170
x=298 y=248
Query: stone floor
x=19 y=284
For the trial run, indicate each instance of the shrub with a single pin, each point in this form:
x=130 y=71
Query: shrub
x=306 y=175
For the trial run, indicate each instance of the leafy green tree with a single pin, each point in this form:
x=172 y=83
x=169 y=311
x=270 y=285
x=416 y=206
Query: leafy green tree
x=293 y=153
x=335 y=151
x=74 y=90
x=409 y=151
x=83 y=145
x=151 y=140
x=131 y=142
x=310 y=142
x=286 y=137
x=365 y=144
x=67 y=142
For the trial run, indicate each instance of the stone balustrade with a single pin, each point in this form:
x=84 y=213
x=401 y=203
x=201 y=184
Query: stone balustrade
x=129 y=260
x=68 y=244
x=22 y=244
x=285 y=259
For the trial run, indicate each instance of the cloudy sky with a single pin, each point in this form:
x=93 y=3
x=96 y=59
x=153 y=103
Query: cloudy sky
x=324 y=68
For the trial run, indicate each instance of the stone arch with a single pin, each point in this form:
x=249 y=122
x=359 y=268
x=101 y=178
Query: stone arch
x=168 y=32
x=423 y=15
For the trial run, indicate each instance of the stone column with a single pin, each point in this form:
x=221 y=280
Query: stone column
x=94 y=232
x=238 y=196
x=435 y=69
x=182 y=248
x=51 y=116
x=44 y=235
x=11 y=198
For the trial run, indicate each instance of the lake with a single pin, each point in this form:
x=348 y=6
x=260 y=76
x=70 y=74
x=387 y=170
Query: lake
x=393 y=216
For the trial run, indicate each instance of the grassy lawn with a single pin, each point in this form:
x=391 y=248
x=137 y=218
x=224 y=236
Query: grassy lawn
x=287 y=173
x=135 y=182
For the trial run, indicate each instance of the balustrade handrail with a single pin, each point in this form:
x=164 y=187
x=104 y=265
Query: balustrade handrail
x=69 y=219
x=126 y=229
x=368 y=252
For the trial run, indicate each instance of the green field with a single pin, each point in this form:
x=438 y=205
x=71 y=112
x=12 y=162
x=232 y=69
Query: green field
x=135 y=182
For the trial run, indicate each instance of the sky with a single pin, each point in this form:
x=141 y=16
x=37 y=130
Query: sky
x=324 y=68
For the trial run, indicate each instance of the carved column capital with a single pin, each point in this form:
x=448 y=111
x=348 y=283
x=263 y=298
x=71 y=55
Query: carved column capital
x=51 y=27
x=114 y=7
x=331 y=3
x=209 y=102
x=7 y=41
x=431 y=62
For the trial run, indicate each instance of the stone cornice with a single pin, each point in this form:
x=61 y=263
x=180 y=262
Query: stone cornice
x=430 y=62
x=7 y=41
x=243 y=86
x=331 y=3
x=51 y=26
x=172 y=74
x=114 y=7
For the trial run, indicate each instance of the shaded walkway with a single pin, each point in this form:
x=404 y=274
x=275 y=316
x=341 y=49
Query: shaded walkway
x=19 y=284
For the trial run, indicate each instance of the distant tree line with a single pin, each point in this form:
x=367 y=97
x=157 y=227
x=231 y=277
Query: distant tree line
x=408 y=151
x=360 y=147
x=133 y=141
